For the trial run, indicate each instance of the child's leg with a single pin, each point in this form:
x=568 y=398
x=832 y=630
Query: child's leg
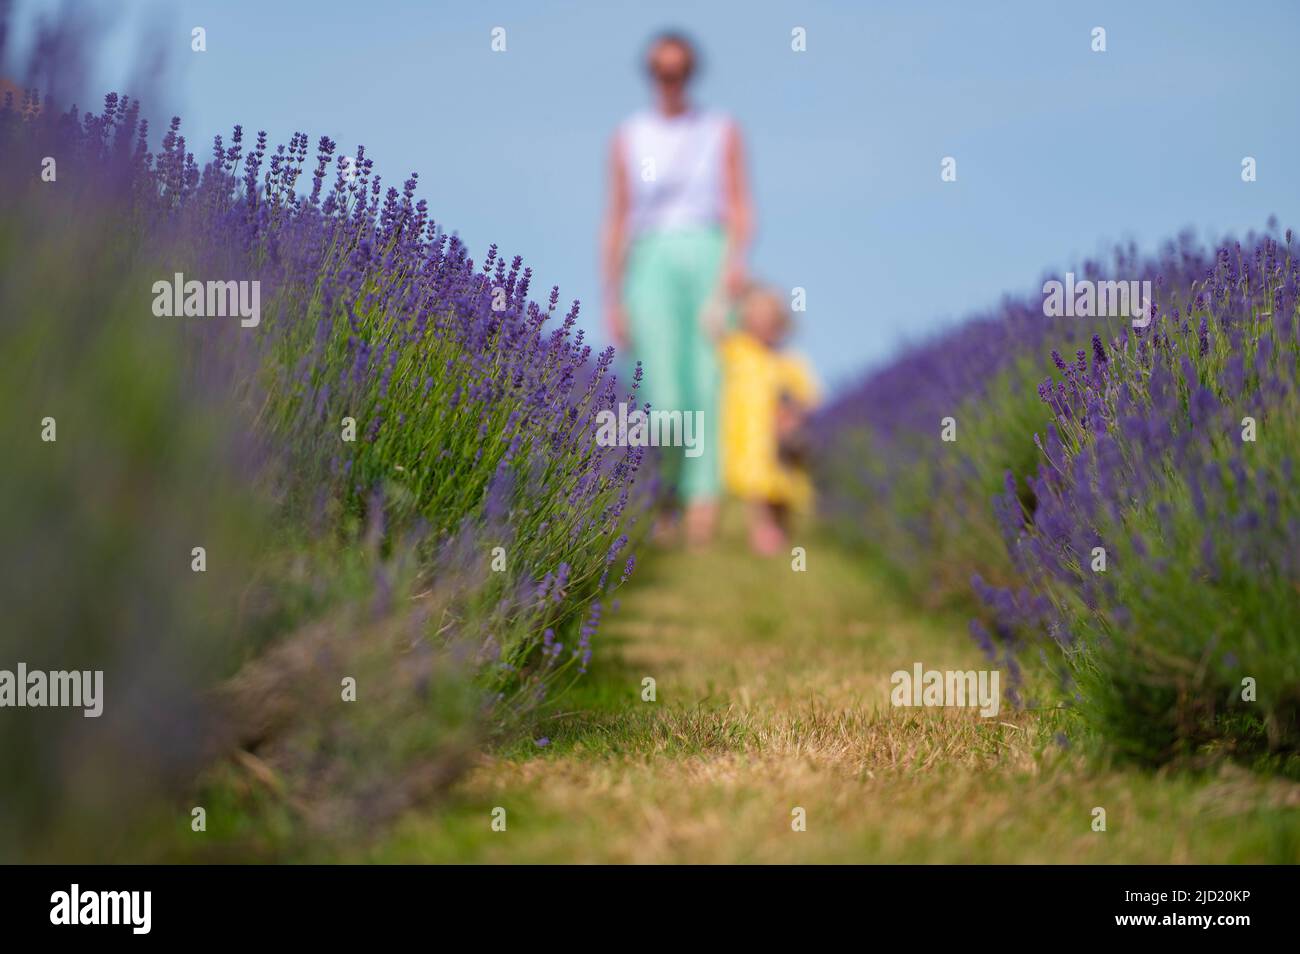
x=781 y=515
x=767 y=536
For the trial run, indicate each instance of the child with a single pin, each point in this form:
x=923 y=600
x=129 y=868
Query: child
x=766 y=396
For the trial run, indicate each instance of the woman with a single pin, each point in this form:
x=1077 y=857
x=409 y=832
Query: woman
x=675 y=239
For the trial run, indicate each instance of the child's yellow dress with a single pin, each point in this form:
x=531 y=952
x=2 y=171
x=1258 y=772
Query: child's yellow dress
x=754 y=379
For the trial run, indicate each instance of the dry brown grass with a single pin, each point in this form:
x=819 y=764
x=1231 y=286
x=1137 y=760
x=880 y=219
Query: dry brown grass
x=773 y=693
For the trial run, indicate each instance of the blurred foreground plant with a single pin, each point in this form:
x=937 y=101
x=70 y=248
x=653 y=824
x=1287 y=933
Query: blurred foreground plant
x=392 y=475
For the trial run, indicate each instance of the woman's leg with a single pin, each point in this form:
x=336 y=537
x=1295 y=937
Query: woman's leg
x=701 y=483
x=652 y=297
x=669 y=280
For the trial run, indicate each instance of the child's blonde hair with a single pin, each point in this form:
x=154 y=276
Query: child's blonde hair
x=754 y=292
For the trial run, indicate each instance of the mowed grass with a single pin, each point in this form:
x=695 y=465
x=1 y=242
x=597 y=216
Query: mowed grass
x=772 y=693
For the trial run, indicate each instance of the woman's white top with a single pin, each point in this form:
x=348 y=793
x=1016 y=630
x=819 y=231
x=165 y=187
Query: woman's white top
x=674 y=169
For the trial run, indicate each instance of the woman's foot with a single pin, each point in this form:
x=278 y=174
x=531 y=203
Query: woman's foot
x=701 y=523
x=666 y=531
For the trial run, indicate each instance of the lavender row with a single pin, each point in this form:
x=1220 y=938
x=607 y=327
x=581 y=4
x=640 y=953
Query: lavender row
x=1117 y=490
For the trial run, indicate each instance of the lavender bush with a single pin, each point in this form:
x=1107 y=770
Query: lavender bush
x=920 y=507
x=144 y=460
x=1148 y=554
x=393 y=471
x=474 y=422
x=1171 y=454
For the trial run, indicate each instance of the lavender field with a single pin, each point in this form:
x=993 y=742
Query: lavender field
x=315 y=485
x=1121 y=521
x=333 y=463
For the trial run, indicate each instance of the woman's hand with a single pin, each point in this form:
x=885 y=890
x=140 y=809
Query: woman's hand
x=734 y=276
x=616 y=321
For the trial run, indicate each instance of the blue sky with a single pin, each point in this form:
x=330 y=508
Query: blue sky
x=1060 y=150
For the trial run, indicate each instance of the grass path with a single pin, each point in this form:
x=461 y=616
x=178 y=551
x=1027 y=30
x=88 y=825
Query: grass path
x=773 y=693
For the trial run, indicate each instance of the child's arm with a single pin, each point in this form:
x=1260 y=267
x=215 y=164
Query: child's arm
x=799 y=395
x=790 y=415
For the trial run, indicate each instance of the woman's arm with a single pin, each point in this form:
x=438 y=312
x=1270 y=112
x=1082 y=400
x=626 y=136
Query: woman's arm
x=739 y=212
x=614 y=247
